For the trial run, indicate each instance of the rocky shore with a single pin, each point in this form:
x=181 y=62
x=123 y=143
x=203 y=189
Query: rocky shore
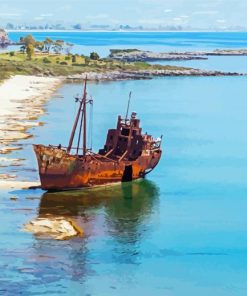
x=146 y=74
x=22 y=99
x=148 y=56
x=59 y=228
x=136 y=55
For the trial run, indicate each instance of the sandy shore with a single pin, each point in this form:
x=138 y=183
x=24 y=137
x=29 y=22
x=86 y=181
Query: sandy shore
x=21 y=101
x=7 y=184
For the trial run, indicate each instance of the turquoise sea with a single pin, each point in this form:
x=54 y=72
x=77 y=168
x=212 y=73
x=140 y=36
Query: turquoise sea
x=183 y=230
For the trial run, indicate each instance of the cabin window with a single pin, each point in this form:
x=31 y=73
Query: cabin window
x=125 y=132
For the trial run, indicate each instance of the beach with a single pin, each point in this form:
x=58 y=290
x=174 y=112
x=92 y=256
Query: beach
x=22 y=99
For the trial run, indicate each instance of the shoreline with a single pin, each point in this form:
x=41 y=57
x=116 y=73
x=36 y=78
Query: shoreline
x=23 y=105
x=8 y=184
x=22 y=99
x=147 y=74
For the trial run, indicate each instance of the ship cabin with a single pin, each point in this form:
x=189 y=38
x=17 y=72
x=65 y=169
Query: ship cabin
x=127 y=141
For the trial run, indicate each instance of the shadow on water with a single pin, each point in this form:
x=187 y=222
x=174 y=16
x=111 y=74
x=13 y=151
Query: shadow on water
x=133 y=201
x=119 y=212
x=114 y=220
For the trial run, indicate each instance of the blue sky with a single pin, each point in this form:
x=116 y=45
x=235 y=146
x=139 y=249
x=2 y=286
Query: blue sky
x=152 y=13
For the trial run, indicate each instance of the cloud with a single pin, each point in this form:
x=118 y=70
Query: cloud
x=221 y=21
x=3 y=14
x=47 y=15
x=154 y=21
x=168 y=10
x=38 y=18
x=97 y=16
x=205 y=12
x=65 y=8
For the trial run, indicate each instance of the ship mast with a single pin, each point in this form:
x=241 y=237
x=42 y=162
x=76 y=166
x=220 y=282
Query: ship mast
x=85 y=120
x=127 y=112
x=81 y=112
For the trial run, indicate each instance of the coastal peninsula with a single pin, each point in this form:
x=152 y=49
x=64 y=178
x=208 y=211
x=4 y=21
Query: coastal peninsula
x=78 y=66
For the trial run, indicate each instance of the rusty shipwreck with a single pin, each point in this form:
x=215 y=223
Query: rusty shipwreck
x=127 y=155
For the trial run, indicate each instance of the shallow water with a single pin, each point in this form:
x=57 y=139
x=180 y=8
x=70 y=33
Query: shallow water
x=180 y=232
x=220 y=63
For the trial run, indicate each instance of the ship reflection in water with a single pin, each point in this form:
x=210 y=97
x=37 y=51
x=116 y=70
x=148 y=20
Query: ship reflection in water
x=125 y=206
x=115 y=220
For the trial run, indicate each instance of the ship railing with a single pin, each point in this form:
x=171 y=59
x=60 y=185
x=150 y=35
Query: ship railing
x=156 y=144
x=63 y=147
x=89 y=152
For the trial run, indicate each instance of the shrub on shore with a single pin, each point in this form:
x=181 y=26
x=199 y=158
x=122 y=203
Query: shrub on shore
x=46 y=60
x=94 y=56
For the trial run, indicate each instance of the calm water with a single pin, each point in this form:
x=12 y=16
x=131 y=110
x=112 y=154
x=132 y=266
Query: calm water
x=220 y=63
x=182 y=231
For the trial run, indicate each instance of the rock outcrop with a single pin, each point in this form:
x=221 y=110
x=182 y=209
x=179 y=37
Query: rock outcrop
x=147 y=74
x=53 y=227
x=136 y=55
x=148 y=56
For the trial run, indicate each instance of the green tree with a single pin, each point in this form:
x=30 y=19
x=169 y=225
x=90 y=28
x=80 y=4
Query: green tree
x=94 y=56
x=28 y=44
x=48 y=44
x=22 y=49
x=29 y=40
x=30 y=51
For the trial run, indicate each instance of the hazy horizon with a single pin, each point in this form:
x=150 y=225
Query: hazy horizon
x=219 y=14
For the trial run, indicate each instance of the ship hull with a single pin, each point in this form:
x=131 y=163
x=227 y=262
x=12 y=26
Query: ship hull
x=59 y=170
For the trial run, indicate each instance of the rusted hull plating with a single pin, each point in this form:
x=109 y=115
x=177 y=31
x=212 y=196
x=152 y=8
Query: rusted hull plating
x=59 y=170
